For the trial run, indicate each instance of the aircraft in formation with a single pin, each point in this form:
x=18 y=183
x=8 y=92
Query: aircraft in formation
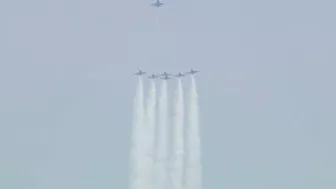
x=153 y=76
x=139 y=73
x=179 y=75
x=165 y=75
x=192 y=72
x=157 y=3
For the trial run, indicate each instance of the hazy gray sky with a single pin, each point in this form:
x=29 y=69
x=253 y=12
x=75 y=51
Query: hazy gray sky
x=267 y=91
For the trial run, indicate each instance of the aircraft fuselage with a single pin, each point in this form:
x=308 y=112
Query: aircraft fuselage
x=157 y=4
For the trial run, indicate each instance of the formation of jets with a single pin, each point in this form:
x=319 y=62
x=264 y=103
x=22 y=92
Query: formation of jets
x=165 y=75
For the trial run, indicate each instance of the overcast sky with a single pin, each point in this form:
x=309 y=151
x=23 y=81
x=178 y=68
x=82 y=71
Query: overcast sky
x=266 y=88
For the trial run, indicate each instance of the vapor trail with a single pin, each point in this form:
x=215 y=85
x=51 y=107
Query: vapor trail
x=161 y=153
x=150 y=135
x=137 y=166
x=193 y=158
x=178 y=139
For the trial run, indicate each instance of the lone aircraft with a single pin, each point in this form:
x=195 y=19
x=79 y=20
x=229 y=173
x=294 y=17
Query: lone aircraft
x=157 y=3
x=140 y=73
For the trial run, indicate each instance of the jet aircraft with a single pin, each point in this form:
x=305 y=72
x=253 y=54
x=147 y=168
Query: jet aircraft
x=153 y=76
x=192 y=72
x=179 y=75
x=140 y=73
x=166 y=77
x=157 y=3
x=165 y=74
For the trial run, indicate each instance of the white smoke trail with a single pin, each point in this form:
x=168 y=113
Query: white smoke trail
x=136 y=182
x=150 y=134
x=193 y=172
x=161 y=153
x=177 y=161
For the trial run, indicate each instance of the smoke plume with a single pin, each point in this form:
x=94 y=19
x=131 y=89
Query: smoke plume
x=177 y=160
x=193 y=170
x=161 y=155
x=149 y=130
x=137 y=166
